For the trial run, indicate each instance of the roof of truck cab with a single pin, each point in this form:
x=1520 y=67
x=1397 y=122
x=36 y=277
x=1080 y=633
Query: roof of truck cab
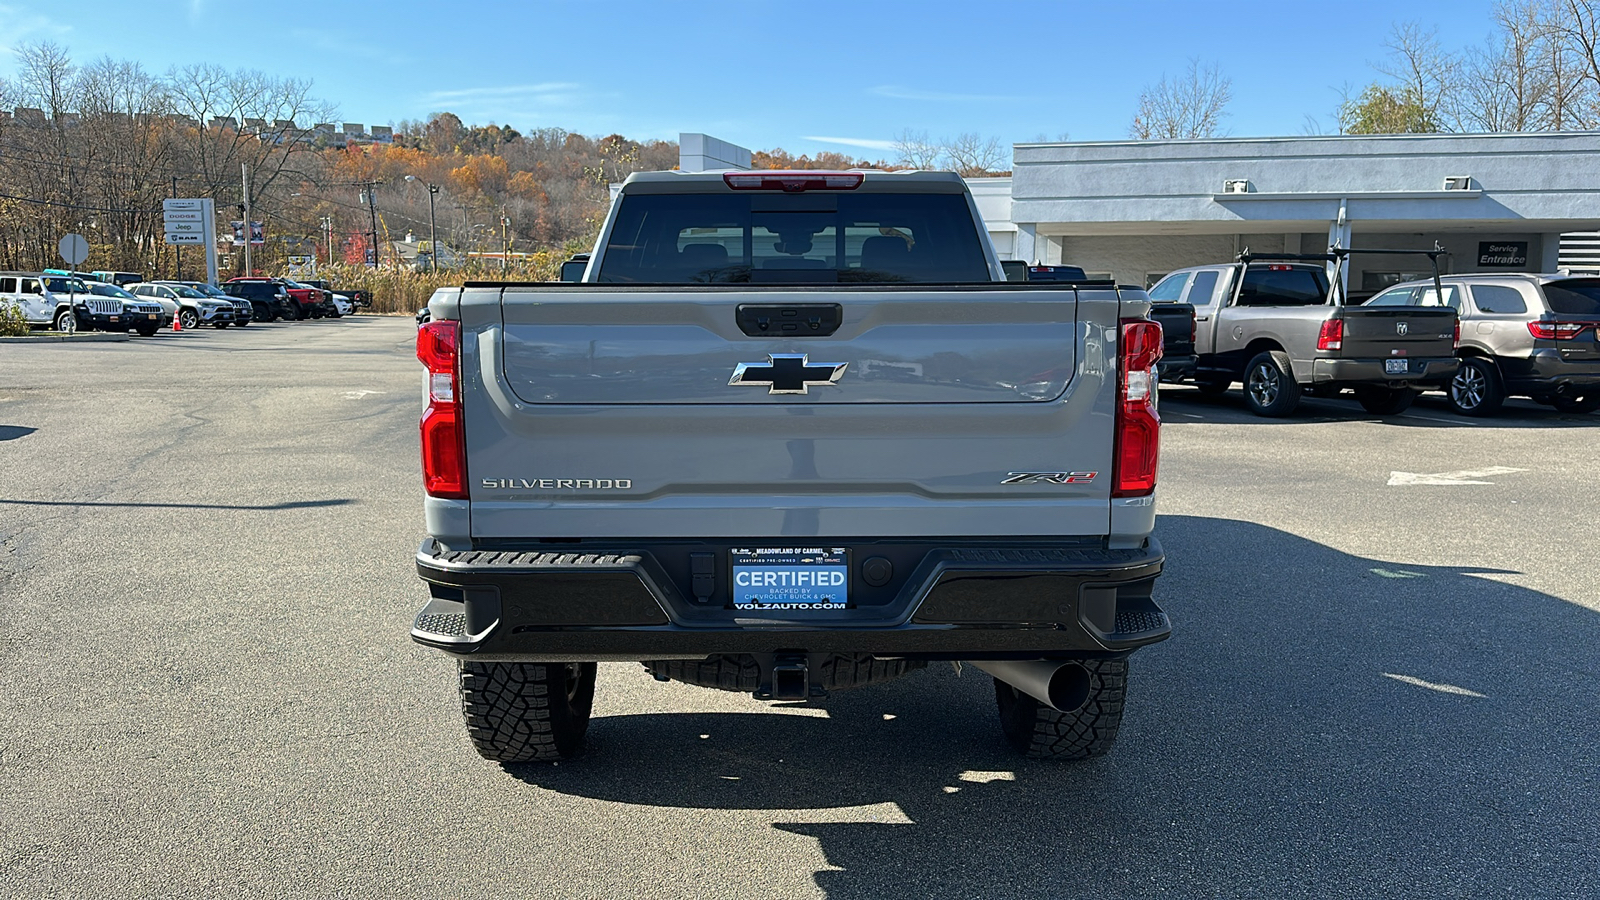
x=873 y=180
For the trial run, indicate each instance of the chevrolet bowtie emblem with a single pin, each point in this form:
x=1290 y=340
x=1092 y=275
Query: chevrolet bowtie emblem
x=787 y=373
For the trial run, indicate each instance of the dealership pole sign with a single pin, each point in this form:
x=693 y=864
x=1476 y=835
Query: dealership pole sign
x=1502 y=254
x=192 y=220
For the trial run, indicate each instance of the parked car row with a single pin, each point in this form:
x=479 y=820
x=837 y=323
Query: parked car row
x=122 y=301
x=1280 y=327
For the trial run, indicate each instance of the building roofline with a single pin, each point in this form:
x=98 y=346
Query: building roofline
x=1308 y=138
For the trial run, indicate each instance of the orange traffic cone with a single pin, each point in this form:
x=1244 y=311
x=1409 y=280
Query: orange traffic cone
x=177 y=320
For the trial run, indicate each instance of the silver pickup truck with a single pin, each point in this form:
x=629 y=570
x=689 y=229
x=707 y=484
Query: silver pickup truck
x=792 y=433
x=1279 y=324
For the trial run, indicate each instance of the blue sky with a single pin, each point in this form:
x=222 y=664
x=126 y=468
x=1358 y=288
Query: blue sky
x=802 y=76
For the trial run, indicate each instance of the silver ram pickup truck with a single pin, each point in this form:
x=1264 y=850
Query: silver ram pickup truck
x=1280 y=325
x=792 y=433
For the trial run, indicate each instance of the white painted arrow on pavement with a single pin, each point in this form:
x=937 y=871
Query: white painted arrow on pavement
x=1466 y=476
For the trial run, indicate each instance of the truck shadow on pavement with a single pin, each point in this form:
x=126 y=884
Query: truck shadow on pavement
x=262 y=507
x=1319 y=725
x=1181 y=404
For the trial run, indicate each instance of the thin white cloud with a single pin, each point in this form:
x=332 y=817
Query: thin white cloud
x=868 y=143
x=323 y=41
x=554 y=90
x=897 y=92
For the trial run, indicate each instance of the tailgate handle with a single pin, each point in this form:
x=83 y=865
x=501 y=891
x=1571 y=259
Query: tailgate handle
x=789 y=319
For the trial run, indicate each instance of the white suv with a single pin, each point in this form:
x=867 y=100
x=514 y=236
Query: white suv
x=189 y=306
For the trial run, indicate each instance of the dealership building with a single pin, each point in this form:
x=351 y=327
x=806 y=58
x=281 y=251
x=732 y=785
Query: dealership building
x=1135 y=210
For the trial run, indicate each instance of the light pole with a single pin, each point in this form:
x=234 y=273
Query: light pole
x=433 y=228
x=505 y=244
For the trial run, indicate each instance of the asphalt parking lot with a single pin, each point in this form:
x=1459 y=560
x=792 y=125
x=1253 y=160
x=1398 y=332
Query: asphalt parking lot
x=1384 y=681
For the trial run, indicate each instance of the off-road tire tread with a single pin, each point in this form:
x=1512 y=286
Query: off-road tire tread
x=515 y=713
x=1040 y=732
x=741 y=674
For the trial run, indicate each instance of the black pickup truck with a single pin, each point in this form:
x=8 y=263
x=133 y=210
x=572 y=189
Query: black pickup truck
x=1175 y=317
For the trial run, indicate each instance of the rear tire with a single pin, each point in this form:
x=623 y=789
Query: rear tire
x=1269 y=386
x=1039 y=732
x=527 y=712
x=1476 y=389
x=1382 y=401
x=1587 y=403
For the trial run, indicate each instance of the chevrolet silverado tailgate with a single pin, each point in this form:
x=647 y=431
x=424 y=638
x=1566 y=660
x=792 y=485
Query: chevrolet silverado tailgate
x=623 y=411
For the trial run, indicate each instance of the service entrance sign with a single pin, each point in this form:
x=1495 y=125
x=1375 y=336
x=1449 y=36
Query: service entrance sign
x=1502 y=254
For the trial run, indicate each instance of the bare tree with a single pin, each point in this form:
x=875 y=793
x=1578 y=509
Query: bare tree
x=1577 y=22
x=223 y=118
x=914 y=150
x=1508 y=85
x=971 y=154
x=1188 y=106
x=1425 y=76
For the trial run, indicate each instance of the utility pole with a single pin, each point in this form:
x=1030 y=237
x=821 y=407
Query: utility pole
x=249 y=270
x=327 y=229
x=372 y=205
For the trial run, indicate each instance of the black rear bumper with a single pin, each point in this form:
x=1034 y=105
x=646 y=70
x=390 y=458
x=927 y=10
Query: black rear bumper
x=1545 y=372
x=950 y=600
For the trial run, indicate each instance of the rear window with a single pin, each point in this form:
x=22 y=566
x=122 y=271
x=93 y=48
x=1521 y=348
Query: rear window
x=1056 y=273
x=789 y=239
x=1573 y=298
x=1278 y=285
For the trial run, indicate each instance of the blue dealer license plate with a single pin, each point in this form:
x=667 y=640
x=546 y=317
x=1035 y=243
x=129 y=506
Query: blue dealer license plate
x=790 y=578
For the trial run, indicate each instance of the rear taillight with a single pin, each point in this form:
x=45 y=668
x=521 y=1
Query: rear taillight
x=1457 y=337
x=1138 y=429
x=1556 y=331
x=793 y=182
x=444 y=451
x=1331 y=336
